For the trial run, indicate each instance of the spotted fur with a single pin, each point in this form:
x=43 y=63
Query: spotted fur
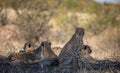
x=70 y=52
x=85 y=54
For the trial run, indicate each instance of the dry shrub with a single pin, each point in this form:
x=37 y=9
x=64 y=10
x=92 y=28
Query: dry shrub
x=32 y=17
x=11 y=39
x=7 y=16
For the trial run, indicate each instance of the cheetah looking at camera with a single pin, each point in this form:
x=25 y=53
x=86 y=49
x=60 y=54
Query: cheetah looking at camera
x=45 y=51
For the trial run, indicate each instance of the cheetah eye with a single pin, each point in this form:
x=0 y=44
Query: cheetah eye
x=29 y=45
x=50 y=44
x=85 y=46
x=42 y=44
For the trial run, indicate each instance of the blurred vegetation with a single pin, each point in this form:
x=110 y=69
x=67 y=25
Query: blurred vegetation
x=106 y=14
x=33 y=16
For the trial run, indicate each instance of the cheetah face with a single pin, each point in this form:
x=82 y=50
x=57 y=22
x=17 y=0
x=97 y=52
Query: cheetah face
x=28 y=47
x=87 y=49
x=46 y=44
x=79 y=31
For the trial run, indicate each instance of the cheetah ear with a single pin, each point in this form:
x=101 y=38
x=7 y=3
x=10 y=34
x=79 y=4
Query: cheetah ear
x=29 y=45
x=50 y=44
x=85 y=47
x=42 y=44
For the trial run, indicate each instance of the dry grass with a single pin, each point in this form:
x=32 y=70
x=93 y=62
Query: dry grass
x=11 y=39
x=104 y=44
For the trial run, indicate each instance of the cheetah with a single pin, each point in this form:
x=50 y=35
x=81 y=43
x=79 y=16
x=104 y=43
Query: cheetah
x=48 y=57
x=69 y=53
x=28 y=47
x=46 y=51
x=85 y=54
x=24 y=55
x=21 y=58
x=36 y=55
x=43 y=51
